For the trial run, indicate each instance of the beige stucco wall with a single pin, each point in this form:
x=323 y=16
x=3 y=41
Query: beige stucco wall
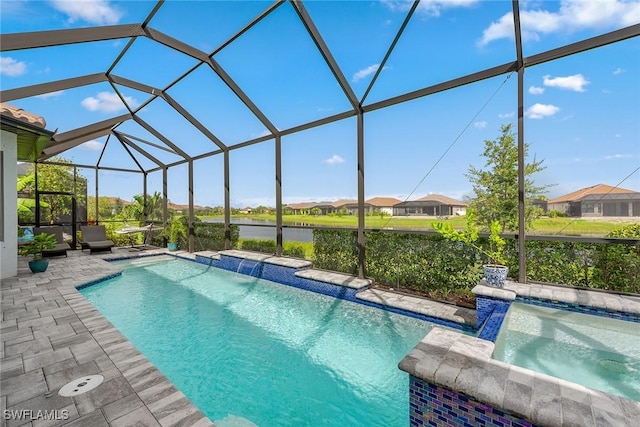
x=9 y=244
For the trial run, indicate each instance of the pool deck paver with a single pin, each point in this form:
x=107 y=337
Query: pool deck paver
x=586 y=297
x=593 y=298
x=51 y=335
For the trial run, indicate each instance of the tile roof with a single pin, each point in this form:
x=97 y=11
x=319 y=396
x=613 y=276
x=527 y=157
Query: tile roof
x=303 y=205
x=442 y=199
x=342 y=202
x=23 y=116
x=599 y=189
x=383 y=202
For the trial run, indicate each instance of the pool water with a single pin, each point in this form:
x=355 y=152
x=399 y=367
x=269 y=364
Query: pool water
x=597 y=352
x=249 y=351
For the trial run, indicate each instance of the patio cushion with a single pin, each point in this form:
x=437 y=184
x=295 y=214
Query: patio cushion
x=94 y=237
x=61 y=246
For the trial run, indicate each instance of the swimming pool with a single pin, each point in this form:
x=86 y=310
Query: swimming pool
x=248 y=351
x=594 y=351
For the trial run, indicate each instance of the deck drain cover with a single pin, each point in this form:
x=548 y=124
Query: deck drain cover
x=614 y=366
x=81 y=385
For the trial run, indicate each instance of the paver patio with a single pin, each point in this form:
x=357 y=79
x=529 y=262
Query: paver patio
x=51 y=335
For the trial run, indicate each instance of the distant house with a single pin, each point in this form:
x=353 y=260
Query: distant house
x=431 y=205
x=383 y=204
x=350 y=205
x=540 y=203
x=325 y=207
x=598 y=201
x=300 y=208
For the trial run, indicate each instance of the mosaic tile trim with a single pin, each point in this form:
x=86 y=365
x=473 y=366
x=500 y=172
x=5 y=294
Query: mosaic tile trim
x=485 y=306
x=579 y=308
x=95 y=282
x=432 y=405
x=492 y=325
x=207 y=261
x=132 y=256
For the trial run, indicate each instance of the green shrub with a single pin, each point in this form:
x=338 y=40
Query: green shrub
x=617 y=265
x=556 y=214
x=428 y=263
x=567 y=263
x=264 y=246
x=210 y=236
x=293 y=250
x=425 y=263
x=336 y=250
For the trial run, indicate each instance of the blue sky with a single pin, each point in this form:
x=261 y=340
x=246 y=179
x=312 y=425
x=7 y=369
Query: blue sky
x=582 y=112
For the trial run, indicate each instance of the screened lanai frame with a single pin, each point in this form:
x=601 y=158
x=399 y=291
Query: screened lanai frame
x=109 y=128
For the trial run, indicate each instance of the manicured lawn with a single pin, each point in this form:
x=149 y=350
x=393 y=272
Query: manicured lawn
x=548 y=226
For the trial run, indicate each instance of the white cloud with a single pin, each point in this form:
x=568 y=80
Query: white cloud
x=534 y=90
x=617 y=135
x=619 y=71
x=573 y=15
x=11 y=67
x=265 y=132
x=481 y=124
x=539 y=111
x=50 y=94
x=333 y=160
x=107 y=102
x=618 y=156
x=428 y=7
x=92 y=145
x=506 y=115
x=365 y=72
x=577 y=82
x=98 y=12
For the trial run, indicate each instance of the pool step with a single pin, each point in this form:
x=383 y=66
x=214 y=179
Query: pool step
x=334 y=278
x=419 y=305
x=269 y=259
x=208 y=254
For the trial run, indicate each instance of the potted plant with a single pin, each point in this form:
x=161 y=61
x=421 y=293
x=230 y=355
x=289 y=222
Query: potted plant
x=174 y=230
x=35 y=247
x=496 y=272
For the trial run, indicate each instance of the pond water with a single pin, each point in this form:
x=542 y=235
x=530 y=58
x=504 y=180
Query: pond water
x=262 y=229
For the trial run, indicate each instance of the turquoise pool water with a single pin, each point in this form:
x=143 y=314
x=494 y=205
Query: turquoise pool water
x=594 y=351
x=249 y=351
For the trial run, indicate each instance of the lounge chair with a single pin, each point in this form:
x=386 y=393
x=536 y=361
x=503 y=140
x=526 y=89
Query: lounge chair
x=61 y=246
x=94 y=238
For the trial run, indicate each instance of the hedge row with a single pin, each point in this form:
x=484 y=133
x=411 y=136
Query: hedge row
x=429 y=263
x=269 y=247
x=208 y=237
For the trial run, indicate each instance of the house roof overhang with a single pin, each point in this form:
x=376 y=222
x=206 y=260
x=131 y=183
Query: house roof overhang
x=31 y=139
